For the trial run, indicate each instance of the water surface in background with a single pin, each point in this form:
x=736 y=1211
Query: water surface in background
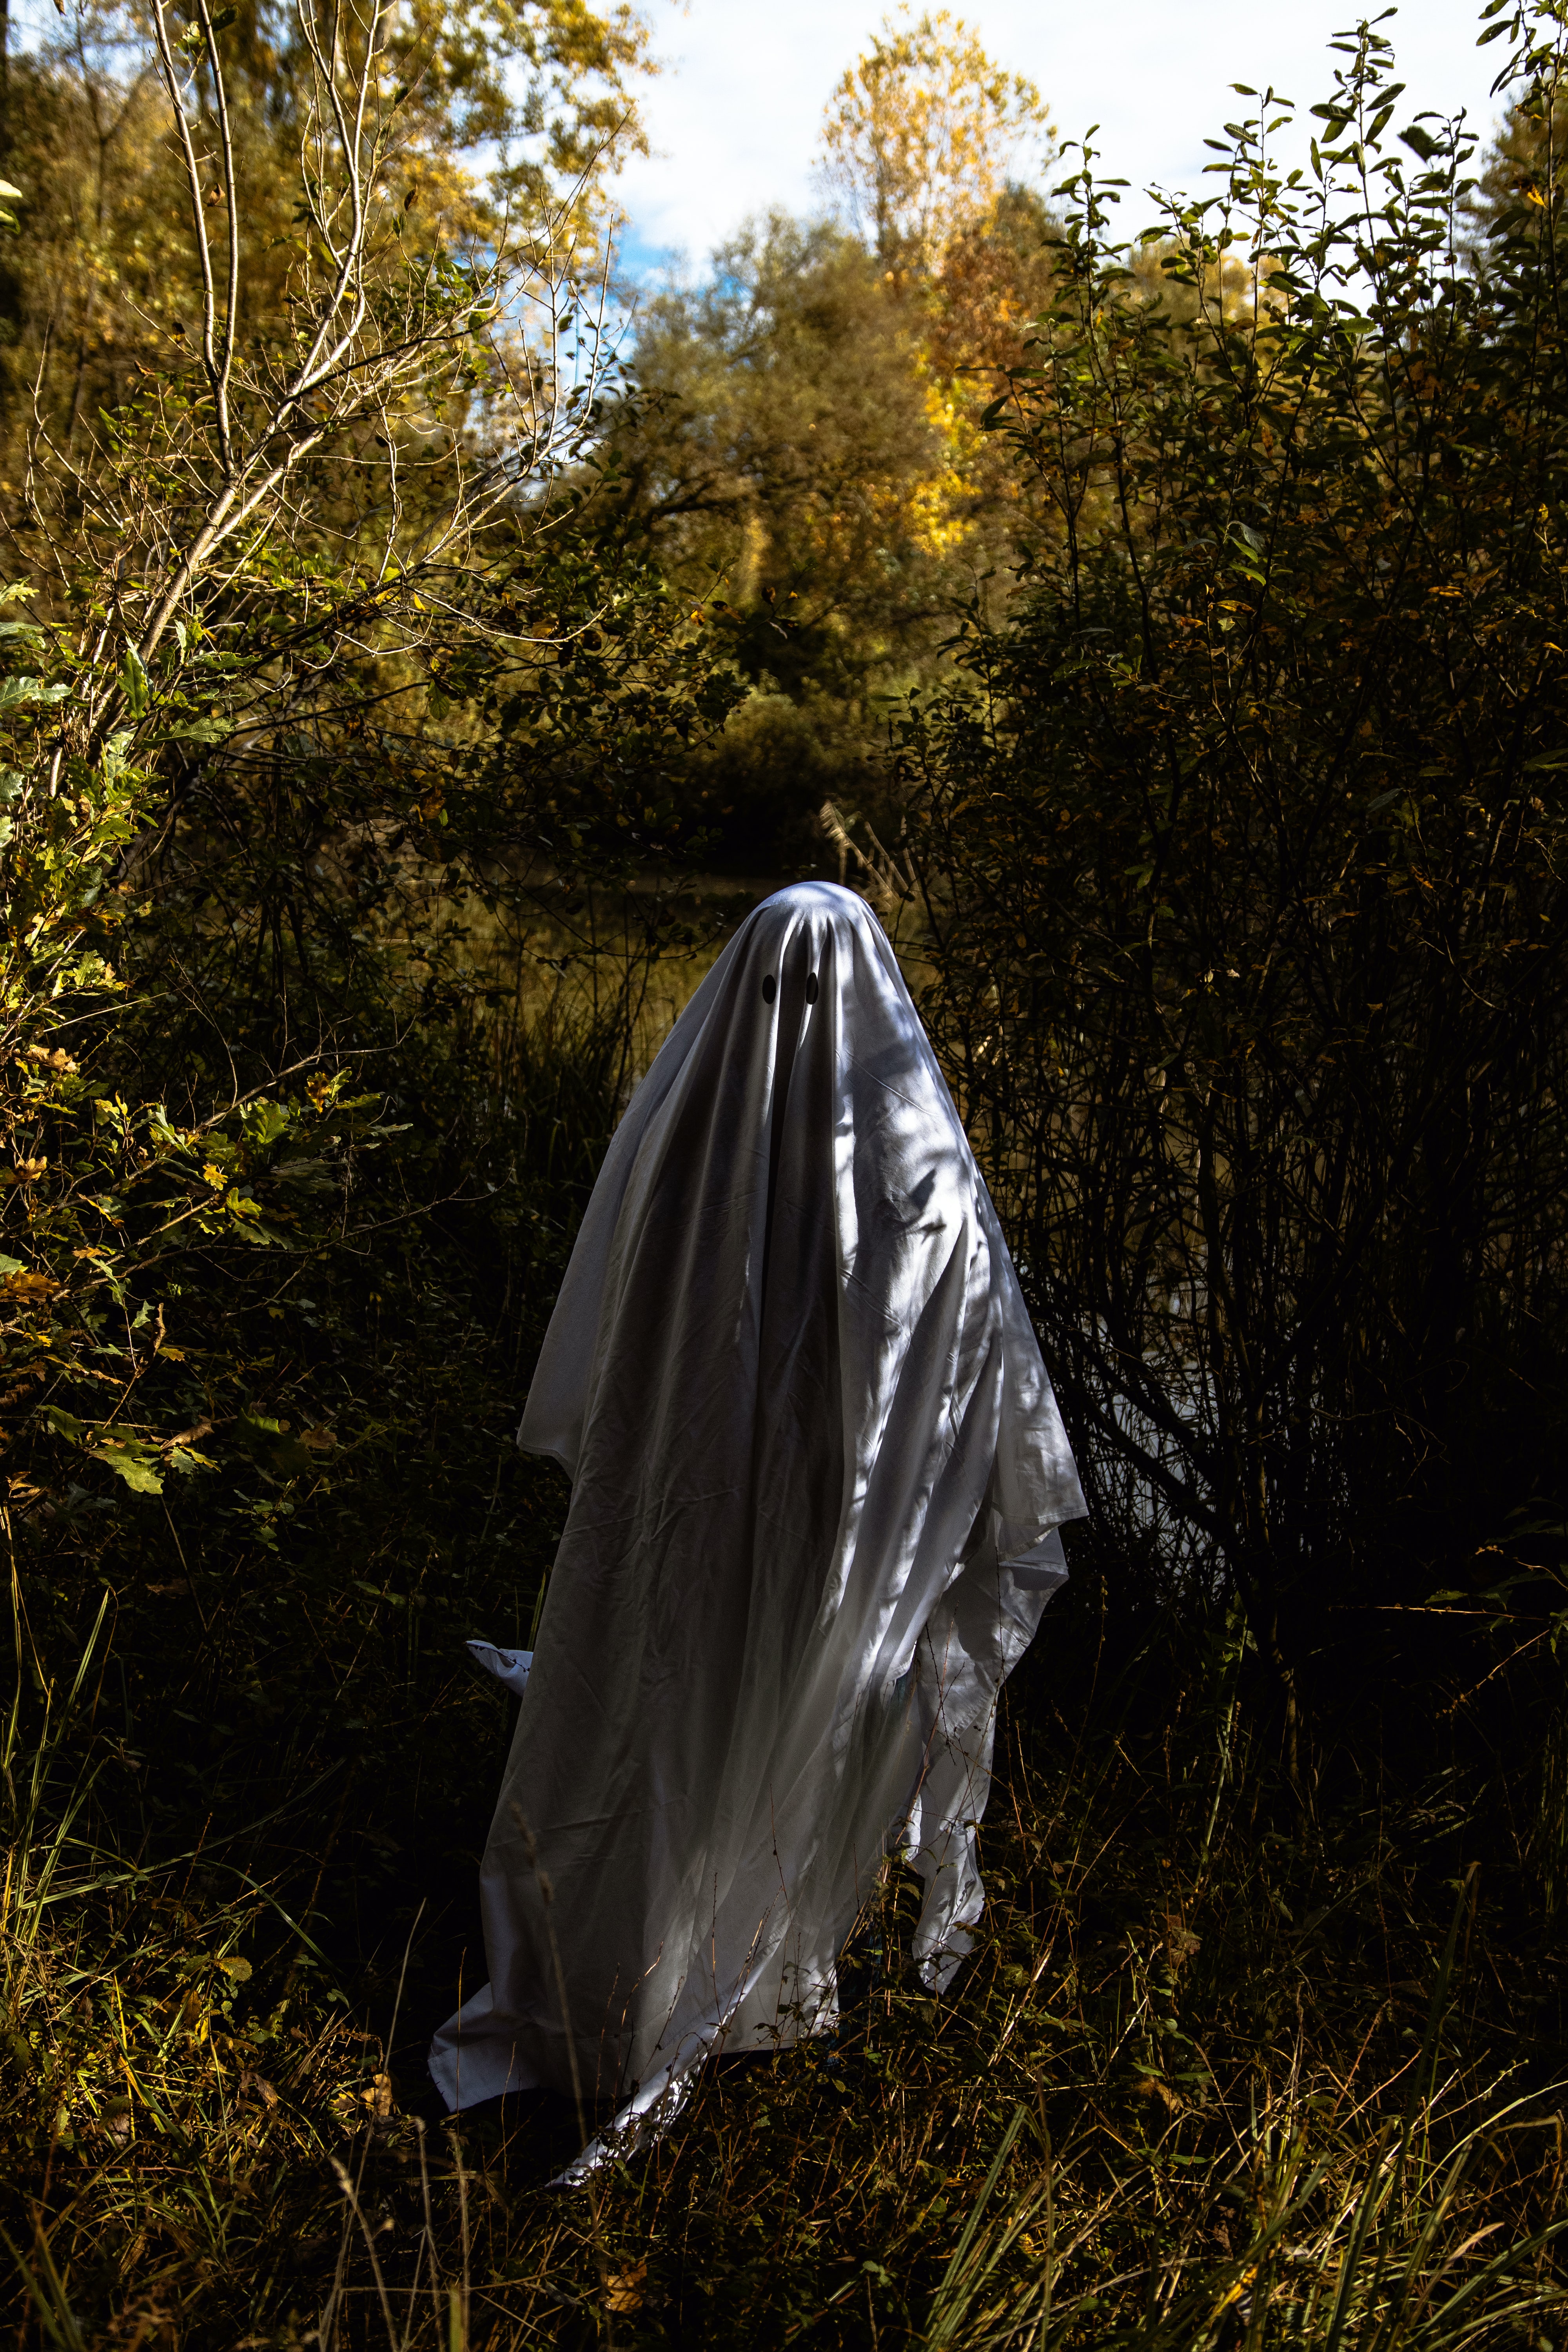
x=553 y=961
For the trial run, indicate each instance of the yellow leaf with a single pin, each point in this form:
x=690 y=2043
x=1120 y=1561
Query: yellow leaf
x=31 y=1284
x=378 y=2097
x=624 y=2290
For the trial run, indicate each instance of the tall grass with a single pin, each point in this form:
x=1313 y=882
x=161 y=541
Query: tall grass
x=1215 y=2077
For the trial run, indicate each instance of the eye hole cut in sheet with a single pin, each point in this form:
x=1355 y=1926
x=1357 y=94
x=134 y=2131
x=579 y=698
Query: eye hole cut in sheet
x=818 y=1473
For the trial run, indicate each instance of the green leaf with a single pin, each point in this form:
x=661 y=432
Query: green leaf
x=17 y=690
x=200 y=731
x=134 y=1466
x=263 y=1234
x=256 y=1430
x=166 y=1135
x=133 y=682
x=263 y=1122
x=186 y=1460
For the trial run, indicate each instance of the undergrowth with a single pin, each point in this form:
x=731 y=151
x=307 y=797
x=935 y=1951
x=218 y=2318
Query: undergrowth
x=1219 y=2073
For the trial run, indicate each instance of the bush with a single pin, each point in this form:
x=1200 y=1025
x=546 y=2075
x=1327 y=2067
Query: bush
x=1243 y=850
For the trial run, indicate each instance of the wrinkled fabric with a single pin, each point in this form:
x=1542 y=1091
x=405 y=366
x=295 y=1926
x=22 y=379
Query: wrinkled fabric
x=508 y=1666
x=817 y=1470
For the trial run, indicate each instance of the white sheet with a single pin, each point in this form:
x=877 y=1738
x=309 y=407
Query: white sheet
x=817 y=1468
x=509 y=1666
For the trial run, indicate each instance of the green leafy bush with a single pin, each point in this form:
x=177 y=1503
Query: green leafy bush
x=1242 y=849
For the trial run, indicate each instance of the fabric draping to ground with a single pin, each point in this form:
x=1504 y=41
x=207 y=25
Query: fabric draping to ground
x=817 y=1470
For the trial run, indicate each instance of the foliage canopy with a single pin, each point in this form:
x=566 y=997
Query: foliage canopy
x=922 y=133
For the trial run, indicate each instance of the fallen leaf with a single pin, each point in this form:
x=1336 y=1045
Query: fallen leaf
x=1152 y=2088
x=625 y=2290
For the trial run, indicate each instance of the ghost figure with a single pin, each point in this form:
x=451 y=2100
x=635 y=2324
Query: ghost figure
x=817 y=1473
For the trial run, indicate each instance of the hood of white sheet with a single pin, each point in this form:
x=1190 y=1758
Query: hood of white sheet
x=797 y=1115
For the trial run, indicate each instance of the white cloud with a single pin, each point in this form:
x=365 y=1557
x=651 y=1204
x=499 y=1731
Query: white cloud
x=735 y=117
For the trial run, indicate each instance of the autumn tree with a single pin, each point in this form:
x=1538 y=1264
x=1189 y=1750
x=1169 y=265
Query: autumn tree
x=922 y=133
x=792 y=451
x=790 y=461
x=504 y=115
x=804 y=445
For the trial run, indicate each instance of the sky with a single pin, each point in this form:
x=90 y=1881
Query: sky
x=734 y=115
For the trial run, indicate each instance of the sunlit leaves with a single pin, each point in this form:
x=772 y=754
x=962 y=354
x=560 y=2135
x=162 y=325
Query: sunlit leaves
x=922 y=132
x=1285 y=702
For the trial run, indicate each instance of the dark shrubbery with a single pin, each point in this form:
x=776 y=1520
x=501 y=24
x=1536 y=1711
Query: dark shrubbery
x=1245 y=855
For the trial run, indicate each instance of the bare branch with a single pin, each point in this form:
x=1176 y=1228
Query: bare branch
x=231 y=202
x=198 y=212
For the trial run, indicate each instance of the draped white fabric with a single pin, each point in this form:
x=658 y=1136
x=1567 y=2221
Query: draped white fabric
x=817 y=1468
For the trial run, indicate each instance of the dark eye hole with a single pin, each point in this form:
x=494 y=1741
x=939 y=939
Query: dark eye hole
x=769 y=989
x=811 y=990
